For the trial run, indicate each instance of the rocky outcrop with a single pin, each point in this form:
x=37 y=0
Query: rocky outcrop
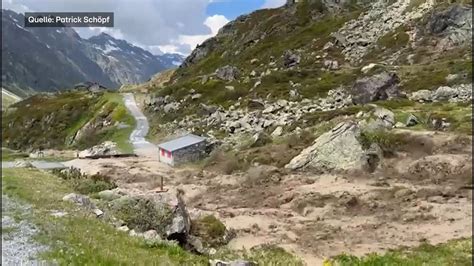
x=457 y=93
x=338 y=149
x=453 y=25
x=358 y=36
x=382 y=86
x=104 y=149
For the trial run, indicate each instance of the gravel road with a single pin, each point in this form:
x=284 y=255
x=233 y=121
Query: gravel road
x=137 y=138
x=18 y=247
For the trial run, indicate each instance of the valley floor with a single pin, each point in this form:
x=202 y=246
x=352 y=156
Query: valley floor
x=315 y=216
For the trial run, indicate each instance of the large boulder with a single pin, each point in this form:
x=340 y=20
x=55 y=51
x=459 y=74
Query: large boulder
x=382 y=86
x=337 y=149
x=228 y=73
x=104 y=149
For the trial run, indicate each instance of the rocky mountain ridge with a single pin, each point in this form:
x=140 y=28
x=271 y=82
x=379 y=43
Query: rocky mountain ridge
x=51 y=59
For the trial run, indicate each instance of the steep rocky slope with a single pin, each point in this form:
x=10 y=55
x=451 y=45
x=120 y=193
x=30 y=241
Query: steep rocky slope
x=51 y=59
x=314 y=56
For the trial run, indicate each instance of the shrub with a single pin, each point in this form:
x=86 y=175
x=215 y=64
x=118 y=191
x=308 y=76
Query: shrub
x=83 y=183
x=143 y=214
x=224 y=162
x=388 y=141
x=209 y=229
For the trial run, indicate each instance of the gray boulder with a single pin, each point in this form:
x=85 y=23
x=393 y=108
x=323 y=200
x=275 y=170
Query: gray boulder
x=386 y=117
x=228 y=73
x=331 y=64
x=336 y=149
x=291 y=59
x=412 y=120
x=103 y=149
x=421 y=96
x=382 y=86
x=170 y=107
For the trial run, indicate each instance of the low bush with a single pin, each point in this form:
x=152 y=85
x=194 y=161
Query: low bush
x=389 y=142
x=209 y=229
x=224 y=162
x=83 y=183
x=143 y=214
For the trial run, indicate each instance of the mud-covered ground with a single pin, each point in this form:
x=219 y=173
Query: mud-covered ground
x=421 y=193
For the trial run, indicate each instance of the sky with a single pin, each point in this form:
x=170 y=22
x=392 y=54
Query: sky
x=160 y=26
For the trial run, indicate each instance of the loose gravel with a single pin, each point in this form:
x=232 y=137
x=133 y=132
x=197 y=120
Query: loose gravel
x=18 y=246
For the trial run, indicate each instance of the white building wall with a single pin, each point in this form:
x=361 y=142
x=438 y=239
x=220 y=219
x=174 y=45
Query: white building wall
x=164 y=157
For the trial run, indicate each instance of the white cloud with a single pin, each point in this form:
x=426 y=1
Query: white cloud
x=273 y=3
x=214 y=23
x=149 y=23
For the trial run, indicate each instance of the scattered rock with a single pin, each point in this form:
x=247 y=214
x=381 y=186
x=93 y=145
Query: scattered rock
x=123 y=229
x=81 y=200
x=331 y=64
x=457 y=93
x=291 y=59
x=421 y=96
x=196 y=96
x=386 y=116
x=368 y=67
x=260 y=139
x=151 y=235
x=277 y=132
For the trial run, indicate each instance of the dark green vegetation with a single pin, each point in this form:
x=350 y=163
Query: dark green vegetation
x=459 y=115
x=209 y=229
x=67 y=120
x=9 y=155
x=85 y=184
x=455 y=252
x=143 y=214
x=80 y=239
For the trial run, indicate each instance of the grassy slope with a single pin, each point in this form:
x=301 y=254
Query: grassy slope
x=455 y=252
x=80 y=239
x=51 y=122
x=121 y=114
